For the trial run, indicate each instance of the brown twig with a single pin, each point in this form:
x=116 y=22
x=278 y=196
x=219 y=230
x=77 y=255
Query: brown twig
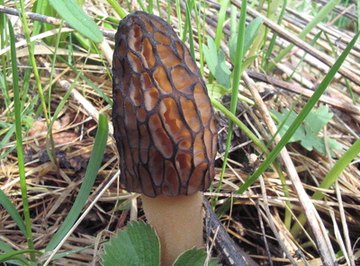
x=226 y=246
x=47 y=19
x=293 y=87
x=302 y=44
x=316 y=224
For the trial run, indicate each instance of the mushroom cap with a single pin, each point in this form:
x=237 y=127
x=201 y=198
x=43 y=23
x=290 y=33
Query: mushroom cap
x=164 y=124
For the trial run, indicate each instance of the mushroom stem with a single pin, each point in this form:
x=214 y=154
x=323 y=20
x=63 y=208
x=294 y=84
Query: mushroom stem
x=178 y=222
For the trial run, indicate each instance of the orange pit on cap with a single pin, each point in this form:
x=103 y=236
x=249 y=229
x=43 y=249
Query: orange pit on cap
x=161 y=107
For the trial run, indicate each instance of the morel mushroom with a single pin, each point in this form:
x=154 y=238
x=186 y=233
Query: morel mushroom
x=164 y=129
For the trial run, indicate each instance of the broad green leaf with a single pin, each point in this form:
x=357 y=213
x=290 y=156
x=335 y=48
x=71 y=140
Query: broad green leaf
x=211 y=56
x=216 y=63
x=222 y=71
x=135 y=245
x=12 y=211
x=308 y=132
x=73 y=14
x=287 y=119
x=89 y=179
x=317 y=119
x=194 y=257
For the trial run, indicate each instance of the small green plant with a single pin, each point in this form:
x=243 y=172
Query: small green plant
x=138 y=244
x=215 y=57
x=308 y=132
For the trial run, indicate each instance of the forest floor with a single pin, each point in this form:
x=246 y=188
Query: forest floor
x=284 y=65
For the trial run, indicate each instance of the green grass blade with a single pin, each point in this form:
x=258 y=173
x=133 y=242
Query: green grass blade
x=358 y=15
x=272 y=43
x=9 y=133
x=142 y=5
x=236 y=81
x=41 y=8
x=89 y=179
x=220 y=25
x=337 y=169
x=18 y=260
x=14 y=254
x=324 y=12
x=240 y=124
x=19 y=142
x=312 y=43
x=25 y=26
x=178 y=15
x=118 y=9
x=329 y=180
x=200 y=34
x=258 y=143
x=300 y=118
x=150 y=8
x=68 y=253
x=73 y=14
x=12 y=211
x=188 y=27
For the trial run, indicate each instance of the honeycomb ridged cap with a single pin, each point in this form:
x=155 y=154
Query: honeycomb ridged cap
x=164 y=124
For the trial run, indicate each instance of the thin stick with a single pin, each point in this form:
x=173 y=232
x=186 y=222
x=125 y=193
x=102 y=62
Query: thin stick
x=271 y=222
x=87 y=210
x=228 y=248
x=47 y=19
x=293 y=87
x=328 y=60
x=316 y=224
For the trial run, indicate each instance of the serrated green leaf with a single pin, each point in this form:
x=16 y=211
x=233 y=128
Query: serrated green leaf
x=135 y=245
x=194 y=257
x=308 y=132
x=73 y=14
x=333 y=144
x=311 y=142
x=287 y=119
x=317 y=119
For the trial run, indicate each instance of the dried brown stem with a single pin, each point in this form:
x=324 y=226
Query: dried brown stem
x=316 y=224
x=302 y=44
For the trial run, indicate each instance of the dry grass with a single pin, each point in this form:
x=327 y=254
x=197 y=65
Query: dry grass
x=255 y=219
